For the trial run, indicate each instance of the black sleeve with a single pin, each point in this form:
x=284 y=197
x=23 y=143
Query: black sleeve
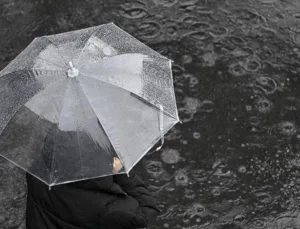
x=121 y=220
x=134 y=186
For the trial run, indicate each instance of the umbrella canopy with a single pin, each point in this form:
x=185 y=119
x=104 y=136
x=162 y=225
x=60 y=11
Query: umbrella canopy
x=72 y=102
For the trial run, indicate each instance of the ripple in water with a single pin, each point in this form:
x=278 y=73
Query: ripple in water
x=188 y=2
x=268 y=1
x=239 y=218
x=189 y=194
x=252 y=65
x=197 y=217
x=189 y=110
x=264 y=197
x=173 y=134
x=188 y=19
x=263 y=105
x=242 y=169
x=218 y=31
x=237 y=41
x=254 y=120
x=171 y=27
x=266 y=84
x=193 y=82
x=198 y=175
x=222 y=172
x=237 y=69
x=258 y=223
x=181 y=178
x=174 y=211
x=297 y=15
x=196 y=135
x=199 y=26
x=287 y=128
x=199 y=222
x=186 y=59
x=291 y=103
x=209 y=59
x=165 y=3
x=170 y=156
x=207 y=106
x=216 y=191
x=134 y=10
x=149 y=29
x=154 y=168
x=196 y=35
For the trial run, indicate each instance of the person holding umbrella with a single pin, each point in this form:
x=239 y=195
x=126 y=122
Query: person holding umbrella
x=78 y=111
x=112 y=202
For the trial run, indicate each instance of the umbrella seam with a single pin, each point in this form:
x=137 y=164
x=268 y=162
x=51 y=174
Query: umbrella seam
x=141 y=43
x=53 y=35
x=54 y=147
x=152 y=144
x=173 y=92
x=86 y=44
x=79 y=126
x=105 y=129
x=31 y=69
x=21 y=167
x=49 y=61
x=79 y=152
x=132 y=93
x=123 y=53
x=58 y=52
x=22 y=106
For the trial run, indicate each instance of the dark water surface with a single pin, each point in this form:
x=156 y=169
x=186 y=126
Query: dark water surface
x=235 y=160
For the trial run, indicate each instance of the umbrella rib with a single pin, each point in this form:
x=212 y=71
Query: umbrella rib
x=79 y=149
x=53 y=156
x=57 y=50
x=173 y=92
x=83 y=112
x=32 y=70
x=108 y=135
x=124 y=53
x=79 y=57
x=138 y=41
x=50 y=62
x=46 y=70
x=37 y=119
x=156 y=65
x=153 y=143
x=40 y=116
x=81 y=51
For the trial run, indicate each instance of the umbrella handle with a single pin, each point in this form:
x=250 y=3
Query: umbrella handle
x=161 y=126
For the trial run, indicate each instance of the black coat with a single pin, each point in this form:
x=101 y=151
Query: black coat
x=112 y=202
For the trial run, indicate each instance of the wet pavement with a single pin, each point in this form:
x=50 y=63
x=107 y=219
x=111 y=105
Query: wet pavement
x=234 y=162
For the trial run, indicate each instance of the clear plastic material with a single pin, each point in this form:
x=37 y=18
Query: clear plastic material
x=72 y=102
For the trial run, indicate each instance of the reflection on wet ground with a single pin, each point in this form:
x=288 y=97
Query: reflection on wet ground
x=234 y=162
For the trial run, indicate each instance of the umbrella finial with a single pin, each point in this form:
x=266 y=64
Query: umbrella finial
x=72 y=72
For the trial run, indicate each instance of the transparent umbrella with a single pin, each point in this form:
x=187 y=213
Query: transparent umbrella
x=72 y=102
